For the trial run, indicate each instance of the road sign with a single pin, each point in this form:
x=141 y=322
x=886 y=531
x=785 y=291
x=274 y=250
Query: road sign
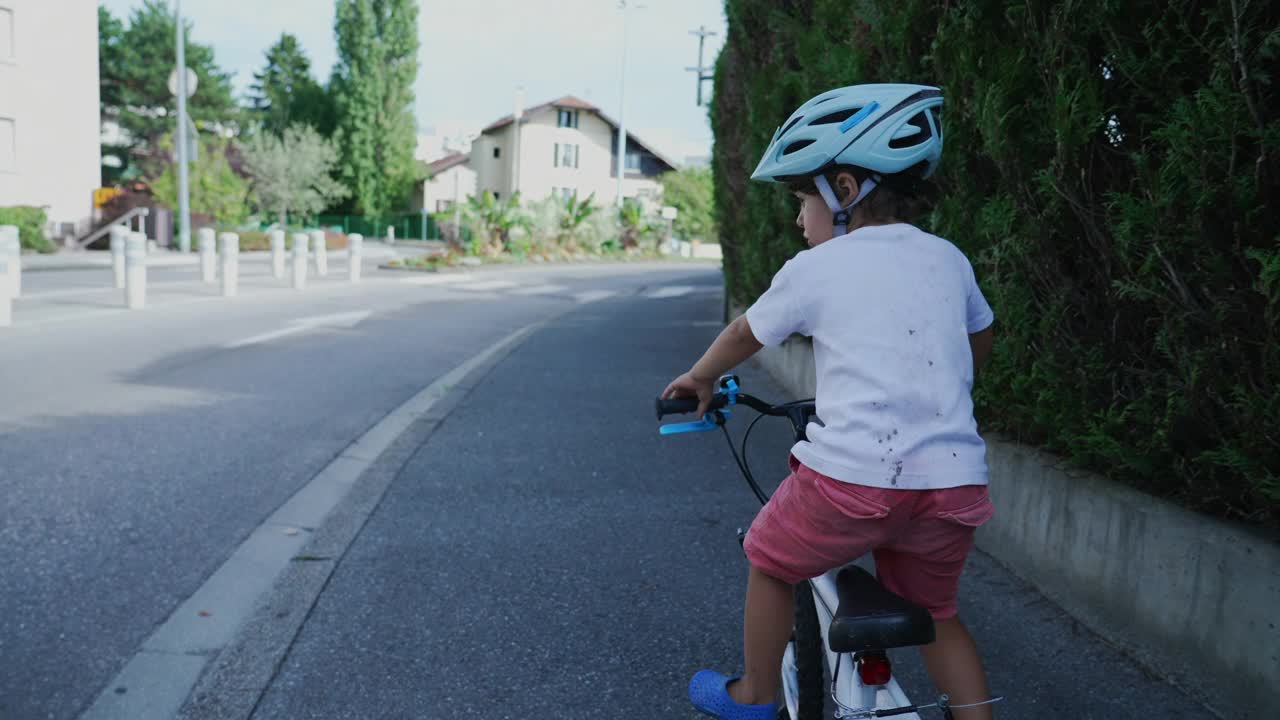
x=192 y=81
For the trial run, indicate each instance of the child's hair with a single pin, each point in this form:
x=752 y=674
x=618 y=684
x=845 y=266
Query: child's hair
x=904 y=196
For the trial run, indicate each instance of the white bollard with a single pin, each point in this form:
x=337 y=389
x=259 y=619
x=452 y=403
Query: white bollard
x=6 y=298
x=299 y=260
x=135 y=271
x=208 y=256
x=11 y=251
x=119 y=234
x=355 y=256
x=391 y=234
x=277 y=254
x=321 y=252
x=230 y=243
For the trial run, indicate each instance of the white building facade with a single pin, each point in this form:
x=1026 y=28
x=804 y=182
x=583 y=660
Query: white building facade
x=562 y=147
x=50 y=132
x=452 y=181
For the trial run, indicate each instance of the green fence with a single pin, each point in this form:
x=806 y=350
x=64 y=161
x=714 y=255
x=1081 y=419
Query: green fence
x=409 y=226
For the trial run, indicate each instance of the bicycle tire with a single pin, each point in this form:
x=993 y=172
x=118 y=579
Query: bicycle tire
x=809 y=649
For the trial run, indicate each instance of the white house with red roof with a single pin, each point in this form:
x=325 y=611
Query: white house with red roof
x=556 y=149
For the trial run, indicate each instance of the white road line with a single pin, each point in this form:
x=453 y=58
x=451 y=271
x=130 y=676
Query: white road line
x=158 y=679
x=488 y=285
x=301 y=325
x=446 y=279
x=590 y=296
x=671 y=291
x=540 y=290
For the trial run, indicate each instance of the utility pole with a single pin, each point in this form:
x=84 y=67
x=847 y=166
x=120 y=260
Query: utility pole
x=184 y=197
x=701 y=70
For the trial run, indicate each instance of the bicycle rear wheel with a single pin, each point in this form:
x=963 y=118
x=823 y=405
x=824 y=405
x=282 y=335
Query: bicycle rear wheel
x=802 y=671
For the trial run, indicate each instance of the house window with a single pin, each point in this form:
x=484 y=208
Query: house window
x=442 y=205
x=8 y=146
x=7 y=53
x=566 y=155
x=633 y=161
x=497 y=152
x=567 y=119
x=563 y=193
x=497 y=196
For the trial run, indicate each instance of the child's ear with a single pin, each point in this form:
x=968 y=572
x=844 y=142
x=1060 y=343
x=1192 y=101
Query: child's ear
x=846 y=187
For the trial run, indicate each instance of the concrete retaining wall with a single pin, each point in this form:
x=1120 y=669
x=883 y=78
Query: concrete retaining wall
x=1192 y=598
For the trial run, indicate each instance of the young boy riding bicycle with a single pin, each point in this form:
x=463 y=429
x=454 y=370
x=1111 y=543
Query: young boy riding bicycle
x=896 y=467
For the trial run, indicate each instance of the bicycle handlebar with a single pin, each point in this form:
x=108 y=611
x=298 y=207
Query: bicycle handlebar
x=684 y=406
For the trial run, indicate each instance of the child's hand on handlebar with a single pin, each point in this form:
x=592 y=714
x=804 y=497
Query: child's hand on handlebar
x=688 y=385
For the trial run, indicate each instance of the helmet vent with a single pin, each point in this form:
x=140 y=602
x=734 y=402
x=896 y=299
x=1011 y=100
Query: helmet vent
x=918 y=121
x=797 y=145
x=790 y=125
x=836 y=117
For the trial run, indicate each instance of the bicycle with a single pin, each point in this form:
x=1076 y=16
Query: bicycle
x=859 y=617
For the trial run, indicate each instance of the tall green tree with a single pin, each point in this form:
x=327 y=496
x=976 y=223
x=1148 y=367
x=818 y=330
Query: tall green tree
x=135 y=63
x=372 y=87
x=284 y=92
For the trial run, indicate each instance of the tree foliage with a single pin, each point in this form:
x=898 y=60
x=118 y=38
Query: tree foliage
x=292 y=173
x=284 y=93
x=135 y=62
x=373 y=90
x=1110 y=166
x=217 y=192
x=691 y=193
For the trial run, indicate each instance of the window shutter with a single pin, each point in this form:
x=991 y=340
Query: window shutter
x=555 y=161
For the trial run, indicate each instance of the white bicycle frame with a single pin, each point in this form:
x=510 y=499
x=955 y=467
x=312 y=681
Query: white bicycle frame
x=849 y=694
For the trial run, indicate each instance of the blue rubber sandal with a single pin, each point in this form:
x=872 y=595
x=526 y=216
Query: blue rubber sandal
x=709 y=692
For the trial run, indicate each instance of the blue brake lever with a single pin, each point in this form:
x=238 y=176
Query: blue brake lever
x=708 y=422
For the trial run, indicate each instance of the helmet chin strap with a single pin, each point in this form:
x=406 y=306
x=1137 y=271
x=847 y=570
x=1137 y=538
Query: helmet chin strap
x=840 y=215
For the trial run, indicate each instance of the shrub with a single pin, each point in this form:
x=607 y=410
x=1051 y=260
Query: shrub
x=30 y=222
x=1111 y=169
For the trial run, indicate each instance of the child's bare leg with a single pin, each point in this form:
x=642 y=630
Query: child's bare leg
x=766 y=631
x=953 y=664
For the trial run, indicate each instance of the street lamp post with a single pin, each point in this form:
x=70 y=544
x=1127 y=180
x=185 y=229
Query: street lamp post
x=184 y=204
x=622 y=104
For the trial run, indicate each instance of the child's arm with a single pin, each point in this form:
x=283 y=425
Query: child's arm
x=980 y=345
x=735 y=344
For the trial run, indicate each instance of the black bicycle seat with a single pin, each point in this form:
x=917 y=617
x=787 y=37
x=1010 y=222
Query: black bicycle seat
x=870 y=617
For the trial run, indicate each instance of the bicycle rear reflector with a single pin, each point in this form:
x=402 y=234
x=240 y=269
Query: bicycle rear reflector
x=874 y=668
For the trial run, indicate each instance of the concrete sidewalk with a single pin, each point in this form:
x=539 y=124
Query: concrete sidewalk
x=531 y=548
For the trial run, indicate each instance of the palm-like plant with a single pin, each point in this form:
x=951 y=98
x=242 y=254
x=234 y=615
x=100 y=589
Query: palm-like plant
x=634 y=224
x=575 y=215
x=496 y=219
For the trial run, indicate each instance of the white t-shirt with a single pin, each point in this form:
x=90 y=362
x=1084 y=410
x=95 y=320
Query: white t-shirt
x=890 y=309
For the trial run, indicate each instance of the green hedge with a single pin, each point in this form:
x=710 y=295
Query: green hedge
x=1108 y=167
x=30 y=222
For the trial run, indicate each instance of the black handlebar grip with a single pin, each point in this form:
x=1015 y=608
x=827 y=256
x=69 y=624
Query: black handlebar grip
x=684 y=406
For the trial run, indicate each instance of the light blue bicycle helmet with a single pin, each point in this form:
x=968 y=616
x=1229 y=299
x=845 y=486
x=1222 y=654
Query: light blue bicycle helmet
x=883 y=128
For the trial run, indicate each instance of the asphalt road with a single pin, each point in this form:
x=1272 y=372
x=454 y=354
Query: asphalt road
x=537 y=550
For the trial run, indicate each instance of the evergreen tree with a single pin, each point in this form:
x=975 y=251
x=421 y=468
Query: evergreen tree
x=372 y=88
x=134 y=83
x=284 y=92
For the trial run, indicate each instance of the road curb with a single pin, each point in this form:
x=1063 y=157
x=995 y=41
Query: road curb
x=229 y=656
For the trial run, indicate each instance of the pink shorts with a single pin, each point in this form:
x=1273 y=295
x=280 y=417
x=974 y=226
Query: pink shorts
x=919 y=538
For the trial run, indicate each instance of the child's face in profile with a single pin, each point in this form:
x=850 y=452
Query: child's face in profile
x=814 y=219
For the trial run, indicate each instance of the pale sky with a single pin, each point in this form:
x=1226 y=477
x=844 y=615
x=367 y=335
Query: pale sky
x=475 y=52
